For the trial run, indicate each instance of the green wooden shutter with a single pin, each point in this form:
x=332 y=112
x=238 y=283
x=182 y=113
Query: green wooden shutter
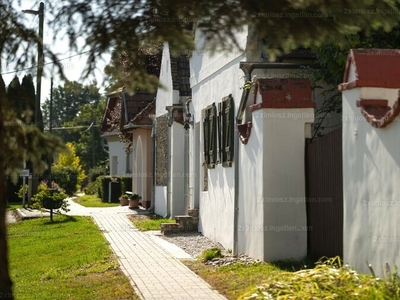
x=212 y=145
x=219 y=133
x=205 y=137
x=228 y=130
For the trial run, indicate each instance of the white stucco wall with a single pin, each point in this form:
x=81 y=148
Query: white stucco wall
x=273 y=223
x=116 y=148
x=371 y=172
x=166 y=96
x=141 y=165
x=160 y=200
x=212 y=78
x=177 y=170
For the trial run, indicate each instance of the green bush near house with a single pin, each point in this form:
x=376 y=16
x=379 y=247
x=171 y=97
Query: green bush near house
x=123 y=184
x=126 y=184
x=66 y=177
x=91 y=188
x=96 y=172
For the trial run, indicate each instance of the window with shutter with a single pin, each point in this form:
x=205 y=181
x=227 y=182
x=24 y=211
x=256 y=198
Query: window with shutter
x=227 y=131
x=205 y=136
x=219 y=137
x=212 y=134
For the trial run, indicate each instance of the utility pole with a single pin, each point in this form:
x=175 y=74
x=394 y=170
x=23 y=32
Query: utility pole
x=51 y=122
x=40 y=13
x=33 y=183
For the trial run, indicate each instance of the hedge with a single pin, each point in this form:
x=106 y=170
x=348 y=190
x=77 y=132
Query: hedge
x=123 y=183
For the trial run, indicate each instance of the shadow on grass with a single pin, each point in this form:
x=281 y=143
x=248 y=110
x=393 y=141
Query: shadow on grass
x=293 y=265
x=60 y=219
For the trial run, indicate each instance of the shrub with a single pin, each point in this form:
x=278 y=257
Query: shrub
x=52 y=192
x=67 y=177
x=126 y=184
x=71 y=160
x=91 y=188
x=96 y=172
x=209 y=254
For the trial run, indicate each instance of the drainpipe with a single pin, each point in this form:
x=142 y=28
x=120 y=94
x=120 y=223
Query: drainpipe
x=187 y=124
x=248 y=68
x=153 y=162
x=170 y=110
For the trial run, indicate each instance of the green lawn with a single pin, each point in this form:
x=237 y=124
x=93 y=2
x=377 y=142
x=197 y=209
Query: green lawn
x=148 y=222
x=93 y=201
x=66 y=259
x=291 y=280
x=14 y=205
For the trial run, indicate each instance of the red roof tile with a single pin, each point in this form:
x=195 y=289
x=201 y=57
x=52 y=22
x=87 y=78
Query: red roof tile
x=373 y=68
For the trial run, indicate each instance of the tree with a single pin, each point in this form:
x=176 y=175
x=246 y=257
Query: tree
x=67 y=100
x=332 y=58
x=69 y=162
x=128 y=64
x=126 y=24
x=79 y=109
x=88 y=144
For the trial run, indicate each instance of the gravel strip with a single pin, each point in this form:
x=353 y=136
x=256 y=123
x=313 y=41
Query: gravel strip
x=193 y=243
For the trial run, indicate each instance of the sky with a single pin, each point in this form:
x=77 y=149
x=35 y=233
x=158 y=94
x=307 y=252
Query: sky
x=73 y=62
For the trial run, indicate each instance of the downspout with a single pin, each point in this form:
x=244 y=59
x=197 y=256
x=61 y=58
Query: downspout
x=170 y=110
x=186 y=126
x=248 y=68
x=153 y=163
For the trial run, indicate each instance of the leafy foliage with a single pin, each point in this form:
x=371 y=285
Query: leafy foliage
x=126 y=25
x=53 y=193
x=125 y=136
x=67 y=177
x=69 y=168
x=331 y=58
x=128 y=64
x=209 y=254
x=88 y=141
x=68 y=100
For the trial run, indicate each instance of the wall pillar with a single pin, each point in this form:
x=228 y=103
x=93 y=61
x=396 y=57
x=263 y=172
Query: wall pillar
x=283 y=110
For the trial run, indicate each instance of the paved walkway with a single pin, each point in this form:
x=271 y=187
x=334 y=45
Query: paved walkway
x=153 y=270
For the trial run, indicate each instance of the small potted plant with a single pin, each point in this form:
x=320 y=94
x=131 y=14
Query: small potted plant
x=134 y=201
x=124 y=199
x=50 y=197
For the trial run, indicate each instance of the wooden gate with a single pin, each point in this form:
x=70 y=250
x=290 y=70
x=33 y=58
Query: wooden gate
x=324 y=191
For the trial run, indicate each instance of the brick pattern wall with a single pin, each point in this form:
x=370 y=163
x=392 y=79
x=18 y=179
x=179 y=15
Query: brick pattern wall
x=161 y=150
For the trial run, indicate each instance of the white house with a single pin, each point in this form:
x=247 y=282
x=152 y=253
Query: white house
x=133 y=114
x=120 y=163
x=171 y=180
x=235 y=153
x=248 y=149
x=371 y=159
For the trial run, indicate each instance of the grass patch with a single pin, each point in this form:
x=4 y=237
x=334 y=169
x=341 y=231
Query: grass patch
x=328 y=280
x=93 y=201
x=209 y=254
x=148 y=222
x=234 y=280
x=65 y=259
x=14 y=205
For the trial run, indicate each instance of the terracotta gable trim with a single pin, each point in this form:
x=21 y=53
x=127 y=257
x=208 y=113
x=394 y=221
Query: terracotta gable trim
x=358 y=83
x=244 y=131
x=377 y=112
